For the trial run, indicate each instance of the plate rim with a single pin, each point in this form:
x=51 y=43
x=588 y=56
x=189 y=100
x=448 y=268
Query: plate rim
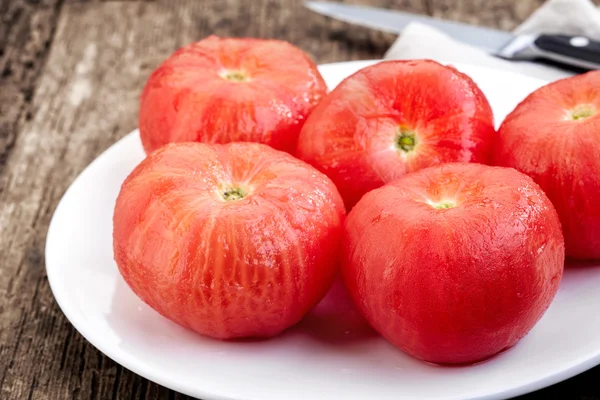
x=134 y=364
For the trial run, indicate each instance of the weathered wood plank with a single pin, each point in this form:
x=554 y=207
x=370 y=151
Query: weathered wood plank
x=330 y=41
x=26 y=29
x=501 y=14
x=86 y=99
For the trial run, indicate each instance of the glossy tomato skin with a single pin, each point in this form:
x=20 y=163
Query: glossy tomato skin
x=454 y=285
x=245 y=267
x=352 y=134
x=542 y=139
x=273 y=89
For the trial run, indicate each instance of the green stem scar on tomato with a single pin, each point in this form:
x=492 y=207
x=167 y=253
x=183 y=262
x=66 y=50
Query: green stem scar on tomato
x=405 y=140
x=234 y=76
x=231 y=193
x=442 y=205
x=581 y=112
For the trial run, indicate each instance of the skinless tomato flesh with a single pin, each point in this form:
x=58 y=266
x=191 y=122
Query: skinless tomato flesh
x=231 y=241
x=554 y=137
x=222 y=90
x=395 y=117
x=454 y=263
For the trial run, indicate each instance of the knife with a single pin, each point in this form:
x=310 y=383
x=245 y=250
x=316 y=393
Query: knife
x=574 y=51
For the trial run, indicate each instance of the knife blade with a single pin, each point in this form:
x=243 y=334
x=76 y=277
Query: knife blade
x=572 y=51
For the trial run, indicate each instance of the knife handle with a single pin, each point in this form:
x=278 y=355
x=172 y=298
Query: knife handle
x=574 y=51
x=578 y=51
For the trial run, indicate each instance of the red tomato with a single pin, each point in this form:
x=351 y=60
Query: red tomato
x=227 y=90
x=392 y=118
x=454 y=263
x=554 y=137
x=235 y=240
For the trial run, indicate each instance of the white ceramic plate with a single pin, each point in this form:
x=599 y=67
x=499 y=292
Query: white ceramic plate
x=327 y=356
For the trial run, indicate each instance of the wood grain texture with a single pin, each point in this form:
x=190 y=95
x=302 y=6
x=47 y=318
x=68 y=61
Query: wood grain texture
x=26 y=29
x=70 y=78
x=500 y=14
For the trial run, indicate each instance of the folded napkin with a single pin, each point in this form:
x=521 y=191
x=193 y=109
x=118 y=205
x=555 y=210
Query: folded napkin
x=571 y=17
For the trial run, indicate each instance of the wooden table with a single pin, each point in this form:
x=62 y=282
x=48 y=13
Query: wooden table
x=70 y=75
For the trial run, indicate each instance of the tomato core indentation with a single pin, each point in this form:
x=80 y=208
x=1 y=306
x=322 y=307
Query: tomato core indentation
x=231 y=193
x=234 y=76
x=442 y=205
x=581 y=112
x=405 y=139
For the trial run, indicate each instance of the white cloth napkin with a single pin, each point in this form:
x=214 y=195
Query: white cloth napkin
x=572 y=17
